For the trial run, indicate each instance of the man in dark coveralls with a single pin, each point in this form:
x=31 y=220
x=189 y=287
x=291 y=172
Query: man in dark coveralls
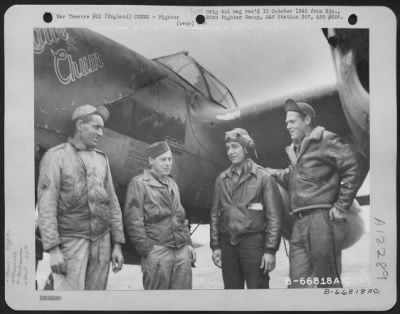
x=323 y=178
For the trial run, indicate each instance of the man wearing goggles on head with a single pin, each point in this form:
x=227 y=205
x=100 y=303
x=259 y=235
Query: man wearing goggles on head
x=246 y=217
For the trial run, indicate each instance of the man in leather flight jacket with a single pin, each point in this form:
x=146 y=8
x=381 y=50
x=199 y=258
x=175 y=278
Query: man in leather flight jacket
x=80 y=219
x=323 y=178
x=156 y=224
x=246 y=218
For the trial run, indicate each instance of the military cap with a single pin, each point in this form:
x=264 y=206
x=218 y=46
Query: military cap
x=301 y=107
x=156 y=149
x=86 y=110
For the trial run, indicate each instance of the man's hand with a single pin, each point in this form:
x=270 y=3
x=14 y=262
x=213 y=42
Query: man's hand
x=216 y=257
x=57 y=262
x=267 y=263
x=193 y=255
x=335 y=213
x=117 y=258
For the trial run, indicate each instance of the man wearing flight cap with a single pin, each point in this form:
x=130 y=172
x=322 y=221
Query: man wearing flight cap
x=246 y=217
x=80 y=219
x=323 y=178
x=157 y=226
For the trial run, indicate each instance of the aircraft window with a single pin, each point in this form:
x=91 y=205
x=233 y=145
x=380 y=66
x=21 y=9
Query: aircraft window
x=200 y=78
x=219 y=92
x=191 y=74
x=185 y=67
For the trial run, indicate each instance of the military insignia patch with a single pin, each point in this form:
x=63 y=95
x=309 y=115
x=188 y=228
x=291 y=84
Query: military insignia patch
x=45 y=182
x=133 y=203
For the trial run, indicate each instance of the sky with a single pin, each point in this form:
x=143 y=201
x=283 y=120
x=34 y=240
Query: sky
x=255 y=64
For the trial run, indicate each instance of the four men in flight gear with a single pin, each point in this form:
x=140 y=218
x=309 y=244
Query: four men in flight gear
x=79 y=214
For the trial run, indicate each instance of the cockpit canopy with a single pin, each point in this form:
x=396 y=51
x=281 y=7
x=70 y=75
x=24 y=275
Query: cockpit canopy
x=186 y=67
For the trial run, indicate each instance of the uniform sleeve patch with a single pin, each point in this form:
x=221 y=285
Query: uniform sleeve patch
x=45 y=182
x=134 y=203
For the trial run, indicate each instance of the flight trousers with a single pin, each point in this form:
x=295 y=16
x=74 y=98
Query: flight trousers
x=167 y=268
x=315 y=251
x=88 y=264
x=241 y=263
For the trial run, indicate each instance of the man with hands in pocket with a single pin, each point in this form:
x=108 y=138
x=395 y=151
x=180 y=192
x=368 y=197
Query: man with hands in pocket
x=323 y=178
x=80 y=219
x=246 y=217
x=157 y=226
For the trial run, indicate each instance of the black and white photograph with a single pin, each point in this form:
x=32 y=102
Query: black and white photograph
x=203 y=157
